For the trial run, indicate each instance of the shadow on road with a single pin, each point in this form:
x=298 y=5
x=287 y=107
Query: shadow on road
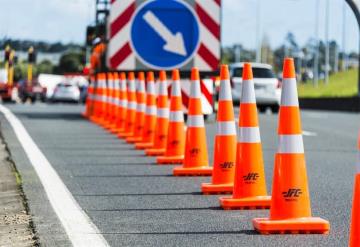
x=52 y=116
x=246 y=232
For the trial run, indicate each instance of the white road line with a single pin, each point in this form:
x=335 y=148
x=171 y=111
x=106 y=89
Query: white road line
x=78 y=226
x=309 y=133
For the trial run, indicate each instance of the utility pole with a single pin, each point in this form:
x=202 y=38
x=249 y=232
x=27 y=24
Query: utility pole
x=327 y=45
x=316 y=55
x=258 y=31
x=336 y=58
x=344 y=56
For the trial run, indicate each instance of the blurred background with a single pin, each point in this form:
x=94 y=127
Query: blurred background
x=321 y=35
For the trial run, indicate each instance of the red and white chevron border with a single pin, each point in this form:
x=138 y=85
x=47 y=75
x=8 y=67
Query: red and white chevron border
x=121 y=56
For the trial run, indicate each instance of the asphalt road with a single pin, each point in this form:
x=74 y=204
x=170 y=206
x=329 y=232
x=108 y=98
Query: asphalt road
x=137 y=203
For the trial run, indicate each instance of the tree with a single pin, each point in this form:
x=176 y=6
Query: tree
x=45 y=67
x=71 y=62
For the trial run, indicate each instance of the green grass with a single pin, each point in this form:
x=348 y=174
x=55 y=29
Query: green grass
x=342 y=84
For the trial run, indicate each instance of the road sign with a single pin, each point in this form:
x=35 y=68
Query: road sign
x=154 y=34
x=159 y=39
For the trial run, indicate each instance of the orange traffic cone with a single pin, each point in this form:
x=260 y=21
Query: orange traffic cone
x=290 y=204
x=175 y=147
x=121 y=120
x=162 y=120
x=131 y=108
x=148 y=133
x=104 y=101
x=225 y=141
x=116 y=102
x=250 y=185
x=355 y=215
x=89 y=99
x=196 y=161
x=99 y=98
x=109 y=102
x=140 y=110
x=95 y=99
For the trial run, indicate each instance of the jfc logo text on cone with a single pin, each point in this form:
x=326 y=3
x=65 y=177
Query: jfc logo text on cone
x=290 y=210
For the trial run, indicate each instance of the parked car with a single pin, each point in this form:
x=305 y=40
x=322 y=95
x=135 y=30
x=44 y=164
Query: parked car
x=66 y=92
x=267 y=86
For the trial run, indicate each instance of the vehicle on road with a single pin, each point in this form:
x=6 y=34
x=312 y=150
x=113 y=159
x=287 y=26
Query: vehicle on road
x=33 y=91
x=5 y=89
x=66 y=92
x=267 y=86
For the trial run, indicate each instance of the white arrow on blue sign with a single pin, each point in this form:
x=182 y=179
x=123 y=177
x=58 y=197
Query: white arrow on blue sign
x=165 y=34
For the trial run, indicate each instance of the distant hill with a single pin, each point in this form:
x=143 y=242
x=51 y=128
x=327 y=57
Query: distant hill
x=39 y=46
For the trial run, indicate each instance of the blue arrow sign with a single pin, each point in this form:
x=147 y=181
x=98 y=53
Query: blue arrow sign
x=165 y=33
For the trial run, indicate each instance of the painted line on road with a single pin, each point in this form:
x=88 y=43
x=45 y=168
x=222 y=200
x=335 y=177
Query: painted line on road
x=78 y=226
x=309 y=133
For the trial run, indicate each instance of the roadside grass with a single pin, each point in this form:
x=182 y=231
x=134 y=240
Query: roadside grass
x=342 y=84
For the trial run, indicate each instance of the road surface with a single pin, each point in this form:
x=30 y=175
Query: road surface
x=134 y=202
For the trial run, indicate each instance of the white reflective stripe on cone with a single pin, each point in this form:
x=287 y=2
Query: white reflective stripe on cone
x=162 y=112
x=141 y=88
x=176 y=88
x=195 y=121
x=132 y=86
x=290 y=144
x=226 y=128
x=150 y=110
x=123 y=86
x=123 y=103
x=163 y=88
x=116 y=102
x=358 y=164
x=225 y=90
x=104 y=99
x=177 y=116
x=151 y=88
x=116 y=85
x=249 y=135
x=289 y=96
x=132 y=105
x=248 y=92
x=141 y=107
x=195 y=91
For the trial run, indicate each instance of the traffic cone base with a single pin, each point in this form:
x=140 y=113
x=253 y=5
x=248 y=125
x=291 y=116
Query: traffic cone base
x=170 y=160
x=304 y=225
x=133 y=139
x=254 y=202
x=209 y=188
x=193 y=171
x=143 y=145
x=125 y=135
x=155 y=151
x=113 y=130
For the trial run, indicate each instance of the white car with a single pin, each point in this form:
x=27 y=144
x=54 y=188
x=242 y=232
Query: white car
x=65 y=92
x=267 y=86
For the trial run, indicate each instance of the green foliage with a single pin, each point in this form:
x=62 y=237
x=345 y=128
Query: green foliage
x=342 y=84
x=45 y=67
x=71 y=62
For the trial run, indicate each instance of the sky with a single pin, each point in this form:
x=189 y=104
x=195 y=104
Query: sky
x=65 y=21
